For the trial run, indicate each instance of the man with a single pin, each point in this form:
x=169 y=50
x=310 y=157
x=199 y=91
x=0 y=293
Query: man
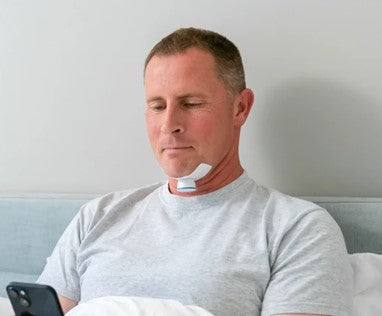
x=229 y=245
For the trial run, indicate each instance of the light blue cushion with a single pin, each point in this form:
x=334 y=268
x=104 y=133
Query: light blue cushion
x=29 y=229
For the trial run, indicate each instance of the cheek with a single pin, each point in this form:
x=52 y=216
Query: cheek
x=215 y=132
x=152 y=129
x=203 y=129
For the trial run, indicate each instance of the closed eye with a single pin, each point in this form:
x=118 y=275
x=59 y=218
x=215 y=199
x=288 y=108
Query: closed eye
x=157 y=107
x=192 y=104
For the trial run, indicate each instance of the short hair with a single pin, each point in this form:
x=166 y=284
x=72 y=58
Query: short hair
x=228 y=63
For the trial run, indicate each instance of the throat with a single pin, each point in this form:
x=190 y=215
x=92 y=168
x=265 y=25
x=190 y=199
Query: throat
x=219 y=177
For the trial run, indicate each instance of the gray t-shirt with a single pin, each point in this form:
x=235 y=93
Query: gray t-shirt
x=241 y=250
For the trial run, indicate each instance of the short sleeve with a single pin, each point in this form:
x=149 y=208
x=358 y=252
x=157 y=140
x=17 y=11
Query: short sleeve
x=311 y=272
x=60 y=271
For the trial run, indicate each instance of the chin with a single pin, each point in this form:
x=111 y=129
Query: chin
x=177 y=173
x=174 y=174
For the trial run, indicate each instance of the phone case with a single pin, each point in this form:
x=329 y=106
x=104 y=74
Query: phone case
x=30 y=299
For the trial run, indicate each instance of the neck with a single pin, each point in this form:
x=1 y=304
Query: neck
x=228 y=170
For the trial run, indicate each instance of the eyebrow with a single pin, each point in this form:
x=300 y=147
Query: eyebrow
x=181 y=97
x=154 y=99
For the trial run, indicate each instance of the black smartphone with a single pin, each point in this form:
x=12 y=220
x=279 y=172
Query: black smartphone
x=30 y=299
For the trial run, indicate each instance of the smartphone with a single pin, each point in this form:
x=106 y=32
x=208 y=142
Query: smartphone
x=30 y=299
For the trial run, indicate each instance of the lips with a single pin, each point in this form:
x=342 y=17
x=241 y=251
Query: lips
x=176 y=148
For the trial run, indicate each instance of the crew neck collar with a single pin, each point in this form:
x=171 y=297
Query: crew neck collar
x=203 y=200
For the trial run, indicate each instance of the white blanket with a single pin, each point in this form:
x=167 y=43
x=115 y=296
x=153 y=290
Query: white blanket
x=136 y=306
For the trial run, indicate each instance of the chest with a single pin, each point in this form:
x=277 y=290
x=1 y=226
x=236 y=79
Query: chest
x=208 y=264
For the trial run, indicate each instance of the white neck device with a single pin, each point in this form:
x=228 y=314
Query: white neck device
x=187 y=183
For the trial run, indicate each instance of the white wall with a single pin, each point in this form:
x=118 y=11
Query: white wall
x=72 y=105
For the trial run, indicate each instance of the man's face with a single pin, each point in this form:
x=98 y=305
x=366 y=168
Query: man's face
x=189 y=113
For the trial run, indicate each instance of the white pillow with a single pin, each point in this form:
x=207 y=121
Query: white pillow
x=135 y=306
x=367 y=286
x=5 y=307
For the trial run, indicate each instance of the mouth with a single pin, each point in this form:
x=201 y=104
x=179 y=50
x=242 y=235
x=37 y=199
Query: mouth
x=176 y=149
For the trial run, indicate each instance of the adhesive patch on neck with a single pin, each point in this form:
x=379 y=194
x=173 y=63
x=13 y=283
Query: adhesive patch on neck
x=188 y=183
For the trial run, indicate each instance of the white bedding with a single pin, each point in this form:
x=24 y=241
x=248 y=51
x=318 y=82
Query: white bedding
x=367 y=297
x=136 y=306
x=367 y=278
x=5 y=307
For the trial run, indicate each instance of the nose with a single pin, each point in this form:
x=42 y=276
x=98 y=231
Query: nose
x=172 y=121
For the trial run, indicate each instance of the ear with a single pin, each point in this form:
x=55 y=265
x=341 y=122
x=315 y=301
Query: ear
x=242 y=106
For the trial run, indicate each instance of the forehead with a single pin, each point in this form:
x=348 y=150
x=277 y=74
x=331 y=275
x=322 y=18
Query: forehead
x=194 y=52
x=186 y=65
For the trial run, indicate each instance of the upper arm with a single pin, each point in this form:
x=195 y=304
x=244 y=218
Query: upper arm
x=311 y=272
x=66 y=303
x=60 y=271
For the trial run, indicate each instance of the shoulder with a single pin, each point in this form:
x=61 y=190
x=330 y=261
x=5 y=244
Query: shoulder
x=285 y=216
x=285 y=210
x=110 y=199
x=278 y=212
x=294 y=224
x=111 y=203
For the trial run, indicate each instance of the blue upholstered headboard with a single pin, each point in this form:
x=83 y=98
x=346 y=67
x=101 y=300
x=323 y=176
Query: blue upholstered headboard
x=30 y=226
